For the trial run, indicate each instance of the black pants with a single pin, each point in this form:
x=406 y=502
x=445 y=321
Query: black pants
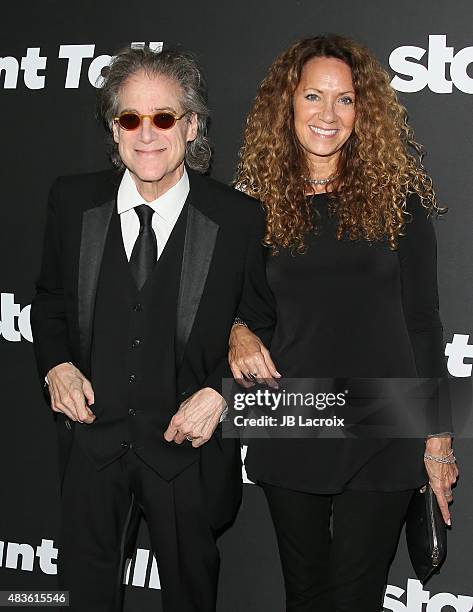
x=96 y=509
x=343 y=570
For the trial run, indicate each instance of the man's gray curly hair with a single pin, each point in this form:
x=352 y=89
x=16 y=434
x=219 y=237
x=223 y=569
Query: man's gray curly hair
x=175 y=64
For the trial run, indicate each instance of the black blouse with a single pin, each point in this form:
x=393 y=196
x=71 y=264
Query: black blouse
x=351 y=309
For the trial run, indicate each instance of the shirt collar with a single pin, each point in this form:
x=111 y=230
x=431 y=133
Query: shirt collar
x=167 y=206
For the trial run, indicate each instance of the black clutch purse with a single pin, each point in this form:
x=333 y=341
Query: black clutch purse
x=426 y=534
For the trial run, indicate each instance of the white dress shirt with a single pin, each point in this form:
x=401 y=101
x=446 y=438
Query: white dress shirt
x=166 y=208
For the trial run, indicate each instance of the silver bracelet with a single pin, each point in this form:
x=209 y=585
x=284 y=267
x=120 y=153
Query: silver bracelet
x=238 y=321
x=450 y=458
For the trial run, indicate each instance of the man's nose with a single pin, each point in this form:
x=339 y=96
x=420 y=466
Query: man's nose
x=147 y=130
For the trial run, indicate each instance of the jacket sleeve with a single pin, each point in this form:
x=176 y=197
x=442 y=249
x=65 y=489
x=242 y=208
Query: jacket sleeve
x=48 y=315
x=418 y=263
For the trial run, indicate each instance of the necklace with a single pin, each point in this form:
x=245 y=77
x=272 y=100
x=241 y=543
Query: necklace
x=323 y=181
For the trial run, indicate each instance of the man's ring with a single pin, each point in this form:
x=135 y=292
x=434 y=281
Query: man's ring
x=189 y=438
x=253 y=374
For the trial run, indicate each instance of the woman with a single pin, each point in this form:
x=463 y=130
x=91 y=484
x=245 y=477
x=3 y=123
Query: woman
x=352 y=267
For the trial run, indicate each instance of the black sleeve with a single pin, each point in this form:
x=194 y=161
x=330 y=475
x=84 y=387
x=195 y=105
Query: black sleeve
x=48 y=316
x=256 y=305
x=418 y=262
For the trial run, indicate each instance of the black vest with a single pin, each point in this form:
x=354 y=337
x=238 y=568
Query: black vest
x=133 y=358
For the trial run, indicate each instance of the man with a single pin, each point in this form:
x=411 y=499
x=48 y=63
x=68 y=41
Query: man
x=143 y=272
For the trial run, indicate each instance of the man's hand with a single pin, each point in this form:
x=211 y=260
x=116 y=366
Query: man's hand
x=71 y=393
x=442 y=476
x=197 y=417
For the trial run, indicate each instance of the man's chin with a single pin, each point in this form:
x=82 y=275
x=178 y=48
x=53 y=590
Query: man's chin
x=153 y=175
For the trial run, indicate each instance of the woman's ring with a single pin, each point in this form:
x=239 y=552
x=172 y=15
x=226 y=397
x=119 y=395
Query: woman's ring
x=189 y=438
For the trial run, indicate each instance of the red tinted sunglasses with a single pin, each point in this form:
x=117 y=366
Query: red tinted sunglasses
x=163 y=120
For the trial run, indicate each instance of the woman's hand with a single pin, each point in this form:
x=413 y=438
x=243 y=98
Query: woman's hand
x=442 y=476
x=249 y=359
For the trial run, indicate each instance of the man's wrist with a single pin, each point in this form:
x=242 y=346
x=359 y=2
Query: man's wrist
x=224 y=408
x=46 y=377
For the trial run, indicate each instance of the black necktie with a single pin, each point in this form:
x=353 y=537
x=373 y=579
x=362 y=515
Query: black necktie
x=145 y=251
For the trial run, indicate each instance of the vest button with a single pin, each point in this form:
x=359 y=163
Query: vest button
x=136 y=342
x=137 y=307
x=132 y=412
x=131 y=378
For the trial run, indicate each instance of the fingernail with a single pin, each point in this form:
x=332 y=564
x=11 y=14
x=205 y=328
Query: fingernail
x=449 y=522
x=278 y=374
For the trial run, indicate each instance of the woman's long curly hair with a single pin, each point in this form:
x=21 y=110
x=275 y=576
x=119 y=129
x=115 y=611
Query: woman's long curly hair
x=379 y=165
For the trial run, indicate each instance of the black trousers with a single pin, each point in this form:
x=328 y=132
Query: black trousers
x=343 y=569
x=96 y=510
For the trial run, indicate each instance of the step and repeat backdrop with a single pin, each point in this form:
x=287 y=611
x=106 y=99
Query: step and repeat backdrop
x=51 y=54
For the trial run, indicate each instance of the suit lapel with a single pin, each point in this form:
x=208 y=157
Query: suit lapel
x=95 y=224
x=199 y=244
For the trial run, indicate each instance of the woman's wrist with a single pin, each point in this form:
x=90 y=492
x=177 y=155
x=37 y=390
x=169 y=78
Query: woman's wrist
x=238 y=333
x=446 y=459
x=438 y=446
x=238 y=321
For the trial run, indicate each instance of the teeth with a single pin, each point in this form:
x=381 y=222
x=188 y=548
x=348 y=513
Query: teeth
x=323 y=132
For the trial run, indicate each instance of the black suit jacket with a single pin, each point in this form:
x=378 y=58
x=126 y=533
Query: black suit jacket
x=223 y=271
